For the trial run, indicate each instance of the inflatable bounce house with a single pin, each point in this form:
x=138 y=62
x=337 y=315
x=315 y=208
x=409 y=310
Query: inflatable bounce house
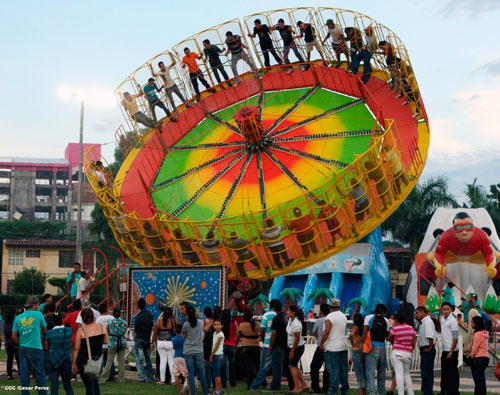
x=358 y=276
x=460 y=248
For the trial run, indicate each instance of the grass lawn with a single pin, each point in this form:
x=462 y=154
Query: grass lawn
x=145 y=388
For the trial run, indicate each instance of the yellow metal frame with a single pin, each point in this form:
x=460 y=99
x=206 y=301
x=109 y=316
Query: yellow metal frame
x=159 y=244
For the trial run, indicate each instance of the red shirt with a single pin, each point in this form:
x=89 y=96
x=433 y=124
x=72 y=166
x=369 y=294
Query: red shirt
x=70 y=321
x=302 y=225
x=191 y=62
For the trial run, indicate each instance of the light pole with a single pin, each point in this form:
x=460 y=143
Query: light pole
x=80 y=188
x=66 y=93
x=97 y=97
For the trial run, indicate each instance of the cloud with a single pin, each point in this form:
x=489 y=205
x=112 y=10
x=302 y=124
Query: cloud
x=480 y=108
x=491 y=67
x=469 y=7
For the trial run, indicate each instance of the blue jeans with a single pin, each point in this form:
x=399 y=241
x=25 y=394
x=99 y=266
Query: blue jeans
x=292 y=47
x=194 y=363
x=31 y=357
x=358 y=363
x=265 y=364
x=216 y=365
x=140 y=344
x=364 y=56
x=209 y=373
x=337 y=366
x=277 y=358
x=228 y=368
x=376 y=360
x=65 y=371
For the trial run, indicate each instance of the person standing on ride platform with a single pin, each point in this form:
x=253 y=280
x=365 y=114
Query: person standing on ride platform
x=353 y=35
x=304 y=231
x=450 y=381
x=266 y=44
x=169 y=84
x=195 y=73
x=289 y=43
x=240 y=247
x=154 y=101
x=365 y=55
x=212 y=53
x=338 y=39
x=129 y=102
x=237 y=48
x=307 y=31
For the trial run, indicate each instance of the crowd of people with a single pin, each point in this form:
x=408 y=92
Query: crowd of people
x=215 y=351
x=348 y=42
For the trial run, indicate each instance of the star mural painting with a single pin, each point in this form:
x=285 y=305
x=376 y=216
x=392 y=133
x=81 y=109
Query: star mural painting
x=199 y=286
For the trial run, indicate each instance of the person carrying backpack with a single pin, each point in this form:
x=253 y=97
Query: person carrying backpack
x=375 y=332
x=117 y=346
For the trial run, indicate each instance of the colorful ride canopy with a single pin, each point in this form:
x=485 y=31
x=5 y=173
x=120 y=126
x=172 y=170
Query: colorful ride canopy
x=275 y=172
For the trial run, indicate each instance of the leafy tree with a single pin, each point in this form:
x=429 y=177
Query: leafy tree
x=30 y=281
x=102 y=236
x=409 y=222
x=477 y=195
x=33 y=230
x=60 y=283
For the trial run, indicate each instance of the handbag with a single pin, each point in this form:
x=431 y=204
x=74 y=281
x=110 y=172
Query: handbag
x=93 y=366
x=367 y=345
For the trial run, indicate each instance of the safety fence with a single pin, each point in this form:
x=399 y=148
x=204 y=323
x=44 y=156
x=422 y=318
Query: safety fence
x=425 y=283
x=344 y=207
x=390 y=61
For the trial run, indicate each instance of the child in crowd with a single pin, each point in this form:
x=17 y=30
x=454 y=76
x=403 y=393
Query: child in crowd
x=180 y=367
x=217 y=355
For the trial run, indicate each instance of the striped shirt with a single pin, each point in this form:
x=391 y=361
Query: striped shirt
x=403 y=337
x=235 y=45
x=272 y=236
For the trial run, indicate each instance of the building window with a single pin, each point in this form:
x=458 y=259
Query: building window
x=15 y=257
x=67 y=258
x=10 y=287
x=32 y=253
x=42 y=215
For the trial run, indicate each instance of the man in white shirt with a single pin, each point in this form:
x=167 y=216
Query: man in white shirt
x=426 y=340
x=169 y=83
x=87 y=283
x=334 y=345
x=338 y=41
x=104 y=319
x=450 y=381
x=86 y=305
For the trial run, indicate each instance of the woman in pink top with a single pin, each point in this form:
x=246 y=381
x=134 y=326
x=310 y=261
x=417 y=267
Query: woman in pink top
x=402 y=337
x=479 y=355
x=228 y=367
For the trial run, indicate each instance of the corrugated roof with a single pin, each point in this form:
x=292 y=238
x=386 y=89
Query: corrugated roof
x=38 y=243
x=395 y=250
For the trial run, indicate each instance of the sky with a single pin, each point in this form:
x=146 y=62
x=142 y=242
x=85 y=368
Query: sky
x=453 y=46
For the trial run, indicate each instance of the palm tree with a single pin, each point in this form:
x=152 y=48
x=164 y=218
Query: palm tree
x=409 y=222
x=319 y=293
x=477 y=195
x=294 y=294
x=263 y=299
